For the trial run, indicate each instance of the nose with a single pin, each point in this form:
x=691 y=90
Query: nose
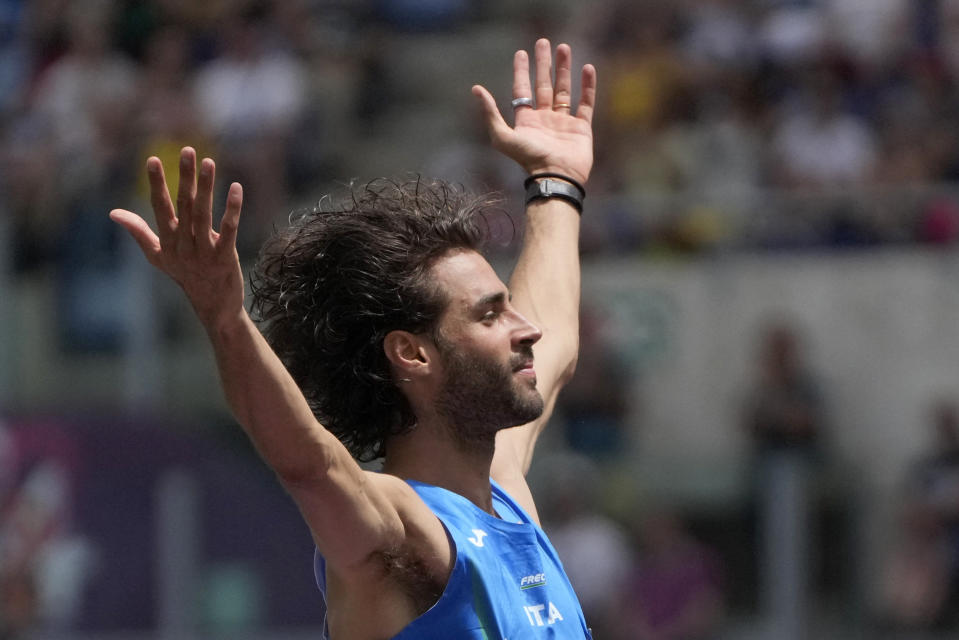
x=526 y=333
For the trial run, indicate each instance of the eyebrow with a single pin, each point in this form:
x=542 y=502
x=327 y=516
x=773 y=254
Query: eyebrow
x=492 y=299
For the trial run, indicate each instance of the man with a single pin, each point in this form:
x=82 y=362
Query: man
x=445 y=542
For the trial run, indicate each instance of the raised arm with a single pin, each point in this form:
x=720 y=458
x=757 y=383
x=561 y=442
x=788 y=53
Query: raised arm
x=352 y=515
x=551 y=136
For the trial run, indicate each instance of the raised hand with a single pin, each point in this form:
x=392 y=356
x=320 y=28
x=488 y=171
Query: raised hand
x=551 y=135
x=202 y=261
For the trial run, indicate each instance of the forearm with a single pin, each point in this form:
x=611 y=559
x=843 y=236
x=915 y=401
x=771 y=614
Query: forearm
x=268 y=404
x=546 y=288
x=546 y=285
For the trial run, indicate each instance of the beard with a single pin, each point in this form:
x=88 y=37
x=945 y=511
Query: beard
x=479 y=397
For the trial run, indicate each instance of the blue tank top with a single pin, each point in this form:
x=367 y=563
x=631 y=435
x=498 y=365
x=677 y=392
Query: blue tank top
x=507 y=582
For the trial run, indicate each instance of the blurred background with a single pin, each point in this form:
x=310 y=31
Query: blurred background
x=762 y=438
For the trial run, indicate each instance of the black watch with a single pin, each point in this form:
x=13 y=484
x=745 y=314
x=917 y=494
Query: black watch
x=550 y=188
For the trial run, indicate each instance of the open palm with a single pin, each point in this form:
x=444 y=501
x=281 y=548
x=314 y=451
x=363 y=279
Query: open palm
x=201 y=260
x=550 y=137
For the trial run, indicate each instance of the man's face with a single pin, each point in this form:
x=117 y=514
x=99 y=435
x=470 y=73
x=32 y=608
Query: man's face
x=486 y=353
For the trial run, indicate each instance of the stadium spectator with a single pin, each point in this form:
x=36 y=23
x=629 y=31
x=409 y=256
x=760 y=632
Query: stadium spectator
x=784 y=416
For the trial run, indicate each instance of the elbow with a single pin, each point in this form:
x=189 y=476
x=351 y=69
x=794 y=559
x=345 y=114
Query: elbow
x=302 y=470
x=299 y=477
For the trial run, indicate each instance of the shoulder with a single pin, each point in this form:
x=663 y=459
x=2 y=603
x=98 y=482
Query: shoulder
x=512 y=483
x=421 y=525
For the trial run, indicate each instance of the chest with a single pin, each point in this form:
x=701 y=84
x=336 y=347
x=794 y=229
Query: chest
x=507 y=582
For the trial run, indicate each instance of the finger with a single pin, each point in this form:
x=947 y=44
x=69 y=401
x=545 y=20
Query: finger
x=203 y=205
x=587 y=98
x=160 y=201
x=231 y=218
x=521 y=86
x=138 y=228
x=562 y=92
x=495 y=124
x=544 y=75
x=186 y=194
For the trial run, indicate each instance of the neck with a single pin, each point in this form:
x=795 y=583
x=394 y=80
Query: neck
x=430 y=454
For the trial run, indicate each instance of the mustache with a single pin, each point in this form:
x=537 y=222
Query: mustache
x=522 y=358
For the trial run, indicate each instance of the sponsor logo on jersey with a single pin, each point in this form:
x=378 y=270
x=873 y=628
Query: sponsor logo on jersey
x=535 y=580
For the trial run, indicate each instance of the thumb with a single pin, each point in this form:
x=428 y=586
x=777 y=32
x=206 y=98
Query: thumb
x=140 y=231
x=499 y=131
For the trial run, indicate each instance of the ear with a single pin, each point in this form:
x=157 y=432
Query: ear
x=407 y=353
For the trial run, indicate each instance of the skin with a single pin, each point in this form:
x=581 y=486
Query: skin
x=481 y=393
x=387 y=554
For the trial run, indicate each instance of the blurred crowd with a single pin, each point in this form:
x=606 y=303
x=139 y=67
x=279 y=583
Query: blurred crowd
x=780 y=122
x=722 y=123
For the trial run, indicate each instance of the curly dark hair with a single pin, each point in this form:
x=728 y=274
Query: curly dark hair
x=330 y=287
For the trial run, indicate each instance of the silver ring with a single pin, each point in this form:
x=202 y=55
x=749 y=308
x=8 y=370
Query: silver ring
x=522 y=102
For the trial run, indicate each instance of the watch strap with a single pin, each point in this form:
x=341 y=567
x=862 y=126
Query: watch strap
x=551 y=188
